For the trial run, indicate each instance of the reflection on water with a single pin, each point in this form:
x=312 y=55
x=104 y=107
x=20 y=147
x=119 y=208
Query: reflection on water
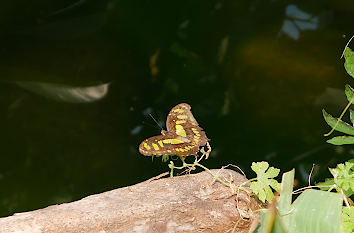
x=297 y=21
x=257 y=94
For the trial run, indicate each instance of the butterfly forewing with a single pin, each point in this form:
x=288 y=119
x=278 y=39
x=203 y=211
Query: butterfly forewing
x=183 y=136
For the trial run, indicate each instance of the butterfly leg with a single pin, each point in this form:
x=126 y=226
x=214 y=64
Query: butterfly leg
x=207 y=152
x=200 y=158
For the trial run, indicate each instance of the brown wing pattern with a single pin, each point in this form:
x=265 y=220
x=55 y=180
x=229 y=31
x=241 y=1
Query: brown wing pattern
x=166 y=144
x=183 y=136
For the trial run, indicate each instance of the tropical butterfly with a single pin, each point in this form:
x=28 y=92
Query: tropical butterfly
x=183 y=136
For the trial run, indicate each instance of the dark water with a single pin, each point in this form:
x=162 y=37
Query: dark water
x=78 y=79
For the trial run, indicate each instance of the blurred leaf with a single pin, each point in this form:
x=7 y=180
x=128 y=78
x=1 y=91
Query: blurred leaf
x=261 y=187
x=348 y=219
x=68 y=8
x=287 y=184
x=269 y=222
x=179 y=51
x=165 y=158
x=341 y=140
x=349 y=92
x=65 y=93
x=332 y=96
x=341 y=126
x=312 y=210
x=349 y=61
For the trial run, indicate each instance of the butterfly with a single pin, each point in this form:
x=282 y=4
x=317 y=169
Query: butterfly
x=183 y=136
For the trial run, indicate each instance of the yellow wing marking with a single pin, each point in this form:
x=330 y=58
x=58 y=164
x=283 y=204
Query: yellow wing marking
x=176 y=141
x=180 y=150
x=172 y=141
x=196 y=138
x=180 y=122
x=180 y=131
x=160 y=143
x=156 y=147
x=146 y=146
x=178 y=110
x=167 y=141
x=182 y=116
x=196 y=132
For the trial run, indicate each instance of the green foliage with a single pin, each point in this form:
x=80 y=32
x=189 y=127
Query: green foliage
x=351 y=116
x=340 y=125
x=349 y=61
x=344 y=176
x=309 y=213
x=313 y=210
x=264 y=181
x=348 y=219
x=337 y=123
x=326 y=185
x=343 y=180
x=349 y=92
x=341 y=140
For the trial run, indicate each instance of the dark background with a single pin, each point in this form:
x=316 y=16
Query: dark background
x=256 y=73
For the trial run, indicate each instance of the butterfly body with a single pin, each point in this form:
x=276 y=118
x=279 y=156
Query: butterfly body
x=183 y=136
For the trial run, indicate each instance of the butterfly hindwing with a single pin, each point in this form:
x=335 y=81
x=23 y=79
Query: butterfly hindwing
x=181 y=120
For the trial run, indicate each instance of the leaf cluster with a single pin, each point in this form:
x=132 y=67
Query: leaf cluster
x=343 y=177
x=312 y=211
x=337 y=123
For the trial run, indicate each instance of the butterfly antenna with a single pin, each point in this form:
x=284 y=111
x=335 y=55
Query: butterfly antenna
x=155 y=121
x=151 y=125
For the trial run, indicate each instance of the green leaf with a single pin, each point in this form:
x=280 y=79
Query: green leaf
x=269 y=222
x=261 y=187
x=341 y=126
x=315 y=211
x=284 y=203
x=344 y=176
x=348 y=217
x=341 y=140
x=326 y=185
x=349 y=92
x=349 y=61
x=352 y=116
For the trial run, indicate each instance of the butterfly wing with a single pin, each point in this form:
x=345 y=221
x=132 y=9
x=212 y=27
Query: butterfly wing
x=181 y=121
x=167 y=144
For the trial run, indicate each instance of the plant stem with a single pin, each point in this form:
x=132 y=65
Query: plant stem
x=211 y=173
x=339 y=118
